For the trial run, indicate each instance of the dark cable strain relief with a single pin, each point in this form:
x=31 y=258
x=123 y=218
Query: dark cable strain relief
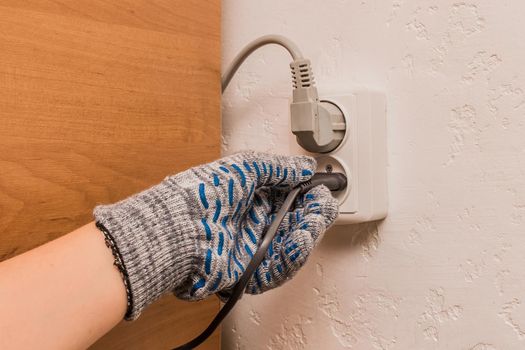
x=334 y=182
x=119 y=263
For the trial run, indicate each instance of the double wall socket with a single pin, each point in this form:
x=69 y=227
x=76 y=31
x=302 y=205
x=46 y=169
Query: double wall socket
x=361 y=156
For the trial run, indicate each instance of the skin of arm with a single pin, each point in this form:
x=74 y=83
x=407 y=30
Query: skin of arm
x=64 y=294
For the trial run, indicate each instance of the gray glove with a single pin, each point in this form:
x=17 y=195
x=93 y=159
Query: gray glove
x=195 y=232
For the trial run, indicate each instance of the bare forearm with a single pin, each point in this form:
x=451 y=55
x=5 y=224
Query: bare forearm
x=63 y=295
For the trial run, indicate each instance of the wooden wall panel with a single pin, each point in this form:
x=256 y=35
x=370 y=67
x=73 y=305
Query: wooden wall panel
x=98 y=100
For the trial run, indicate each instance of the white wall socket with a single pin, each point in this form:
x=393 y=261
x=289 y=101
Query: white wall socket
x=361 y=156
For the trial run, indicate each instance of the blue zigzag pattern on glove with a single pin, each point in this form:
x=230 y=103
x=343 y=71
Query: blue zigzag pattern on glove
x=245 y=209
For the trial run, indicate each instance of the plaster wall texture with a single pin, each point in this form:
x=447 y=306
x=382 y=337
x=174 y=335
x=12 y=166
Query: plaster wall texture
x=446 y=269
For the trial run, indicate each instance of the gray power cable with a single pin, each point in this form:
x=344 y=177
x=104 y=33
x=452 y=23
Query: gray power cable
x=254 y=45
x=315 y=124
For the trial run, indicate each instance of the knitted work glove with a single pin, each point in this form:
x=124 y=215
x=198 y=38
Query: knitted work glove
x=195 y=232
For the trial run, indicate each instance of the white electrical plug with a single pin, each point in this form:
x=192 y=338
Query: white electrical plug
x=361 y=156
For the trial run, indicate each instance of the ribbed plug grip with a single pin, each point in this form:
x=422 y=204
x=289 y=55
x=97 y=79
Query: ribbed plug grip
x=302 y=74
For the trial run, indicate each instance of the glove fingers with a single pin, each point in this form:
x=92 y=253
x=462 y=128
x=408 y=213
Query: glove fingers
x=234 y=179
x=247 y=232
x=284 y=264
x=227 y=186
x=278 y=170
x=297 y=236
x=318 y=202
x=244 y=231
x=320 y=208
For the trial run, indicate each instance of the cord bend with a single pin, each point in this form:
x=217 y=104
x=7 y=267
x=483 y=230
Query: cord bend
x=254 y=45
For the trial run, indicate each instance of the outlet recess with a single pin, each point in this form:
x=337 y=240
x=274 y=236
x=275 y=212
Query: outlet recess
x=361 y=156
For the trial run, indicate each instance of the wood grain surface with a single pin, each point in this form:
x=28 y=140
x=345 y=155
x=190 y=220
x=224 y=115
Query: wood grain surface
x=98 y=100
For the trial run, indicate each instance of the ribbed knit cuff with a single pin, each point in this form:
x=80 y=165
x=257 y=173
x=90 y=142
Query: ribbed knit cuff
x=153 y=239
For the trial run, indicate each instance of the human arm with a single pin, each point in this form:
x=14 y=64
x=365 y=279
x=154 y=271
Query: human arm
x=192 y=234
x=62 y=295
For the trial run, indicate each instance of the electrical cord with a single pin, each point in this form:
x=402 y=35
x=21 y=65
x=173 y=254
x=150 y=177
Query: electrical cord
x=316 y=127
x=254 y=45
x=334 y=181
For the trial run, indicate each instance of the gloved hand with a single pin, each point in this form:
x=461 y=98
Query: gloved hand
x=195 y=232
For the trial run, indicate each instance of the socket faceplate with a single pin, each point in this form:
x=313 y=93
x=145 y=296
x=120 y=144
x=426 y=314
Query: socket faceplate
x=362 y=156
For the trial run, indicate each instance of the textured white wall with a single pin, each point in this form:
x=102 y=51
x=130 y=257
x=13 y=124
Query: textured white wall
x=446 y=269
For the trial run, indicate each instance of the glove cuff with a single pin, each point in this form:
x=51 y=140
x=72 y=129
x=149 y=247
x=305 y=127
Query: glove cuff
x=153 y=241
